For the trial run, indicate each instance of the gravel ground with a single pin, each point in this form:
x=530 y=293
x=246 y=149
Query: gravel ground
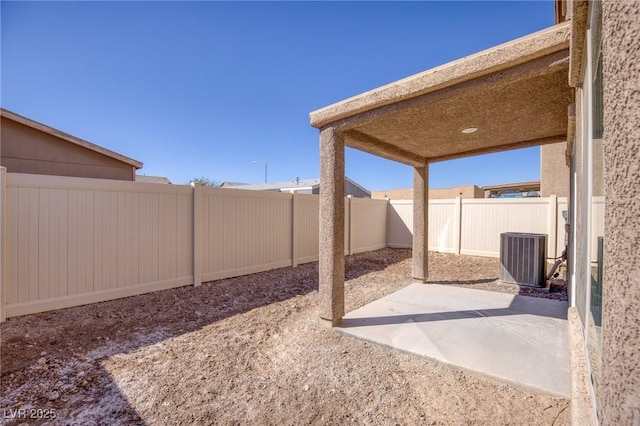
x=250 y=350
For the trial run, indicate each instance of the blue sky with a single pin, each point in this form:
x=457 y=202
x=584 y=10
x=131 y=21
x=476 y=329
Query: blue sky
x=205 y=88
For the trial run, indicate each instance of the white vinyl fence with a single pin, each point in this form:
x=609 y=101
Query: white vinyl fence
x=72 y=241
x=473 y=226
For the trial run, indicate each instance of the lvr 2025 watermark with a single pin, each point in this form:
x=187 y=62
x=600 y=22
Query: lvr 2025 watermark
x=29 y=413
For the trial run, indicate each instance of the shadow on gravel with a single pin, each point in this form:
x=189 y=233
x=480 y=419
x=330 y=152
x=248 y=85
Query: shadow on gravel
x=34 y=347
x=174 y=312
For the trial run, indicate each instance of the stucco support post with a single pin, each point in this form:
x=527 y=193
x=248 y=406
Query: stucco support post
x=331 y=264
x=420 y=223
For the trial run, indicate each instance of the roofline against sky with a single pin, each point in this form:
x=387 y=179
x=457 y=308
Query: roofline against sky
x=69 y=138
x=521 y=50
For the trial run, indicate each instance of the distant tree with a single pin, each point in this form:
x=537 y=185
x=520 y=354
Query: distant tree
x=205 y=181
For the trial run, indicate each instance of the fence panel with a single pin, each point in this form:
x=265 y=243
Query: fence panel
x=563 y=205
x=368 y=224
x=73 y=241
x=483 y=220
x=347 y=226
x=307 y=230
x=441 y=225
x=3 y=235
x=400 y=224
x=245 y=232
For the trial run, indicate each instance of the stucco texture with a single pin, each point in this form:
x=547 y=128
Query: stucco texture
x=620 y=392
x=554 y=172
x=331 y=265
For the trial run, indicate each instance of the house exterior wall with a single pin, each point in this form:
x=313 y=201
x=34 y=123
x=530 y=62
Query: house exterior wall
x=620 y=388
x=28 y=150
x=554 y=172
x=394 y=194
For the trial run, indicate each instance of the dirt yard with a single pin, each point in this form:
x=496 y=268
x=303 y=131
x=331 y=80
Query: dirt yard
x=250 y=350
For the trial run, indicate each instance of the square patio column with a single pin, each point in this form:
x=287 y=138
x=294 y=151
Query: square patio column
x=420 y=223
x=331 y=262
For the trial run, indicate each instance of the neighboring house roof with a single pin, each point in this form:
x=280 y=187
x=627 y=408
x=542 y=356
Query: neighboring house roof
x=152 y=179
x=287 y=185
x=272 y=186
x=231 y=184
x=67 y=137
x=533 y=185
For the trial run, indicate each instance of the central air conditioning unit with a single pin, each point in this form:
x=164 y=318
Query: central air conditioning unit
x=523 y=258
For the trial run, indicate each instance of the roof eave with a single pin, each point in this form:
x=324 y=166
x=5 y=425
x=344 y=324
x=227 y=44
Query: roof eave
x=69 y=138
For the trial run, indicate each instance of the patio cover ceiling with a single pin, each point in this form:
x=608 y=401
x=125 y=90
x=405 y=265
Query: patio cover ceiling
x=516 y=95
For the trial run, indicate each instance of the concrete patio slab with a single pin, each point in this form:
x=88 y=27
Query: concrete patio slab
x=520 y=339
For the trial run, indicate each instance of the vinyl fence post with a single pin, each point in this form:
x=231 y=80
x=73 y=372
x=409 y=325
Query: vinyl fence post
x=386 y=224
x=350 y=204
x=3 y=247
x=197 y=234
x=457 y=224
x=553 y=226
x=294 y=224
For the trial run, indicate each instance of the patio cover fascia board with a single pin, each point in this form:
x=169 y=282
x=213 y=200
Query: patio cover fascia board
x=521 y=60
x=507 y=55
x=366 y=143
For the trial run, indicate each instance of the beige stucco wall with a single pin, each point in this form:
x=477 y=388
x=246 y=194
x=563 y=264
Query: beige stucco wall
x=393 y=194
x=28 y=150
x=554 y=172
x=620 y=392
x=467 y=191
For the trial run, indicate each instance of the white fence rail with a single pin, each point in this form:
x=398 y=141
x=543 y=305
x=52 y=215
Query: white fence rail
x=71 y=241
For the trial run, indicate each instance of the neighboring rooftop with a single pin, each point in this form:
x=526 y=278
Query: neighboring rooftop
x=276 y=186
x=67 y=137
x=310 y=186
x=231 y=184
x=529 y=188
x=153 y=179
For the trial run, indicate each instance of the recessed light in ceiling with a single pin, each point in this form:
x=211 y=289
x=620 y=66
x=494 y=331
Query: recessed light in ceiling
x=470 y=130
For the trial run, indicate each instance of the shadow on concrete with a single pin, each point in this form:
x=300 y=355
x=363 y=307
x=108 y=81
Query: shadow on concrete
x=479 y=281
x=494 y=333
x=442 y=316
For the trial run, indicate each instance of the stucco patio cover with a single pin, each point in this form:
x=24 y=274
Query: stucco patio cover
x=515 y=94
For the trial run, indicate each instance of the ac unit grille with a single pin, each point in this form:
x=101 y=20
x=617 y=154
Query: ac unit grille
x=523 y=258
